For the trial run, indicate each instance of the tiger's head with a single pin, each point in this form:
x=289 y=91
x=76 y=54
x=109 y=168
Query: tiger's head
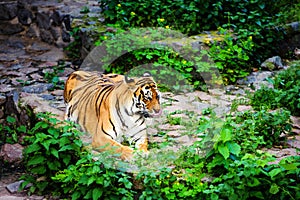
x=146 y=95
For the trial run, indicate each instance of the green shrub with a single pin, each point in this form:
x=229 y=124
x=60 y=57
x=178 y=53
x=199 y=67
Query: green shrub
x=222 y=165
x=52 y=146
x=128 y=52
x=10 y=131
x=91 y=178
x=252 y=177
x=255 y=24
x=232 y=57
x=192 y=16
x=285 y=93
x=261 y=129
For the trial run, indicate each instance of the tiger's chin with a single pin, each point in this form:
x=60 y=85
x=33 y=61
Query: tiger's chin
x=155 y=114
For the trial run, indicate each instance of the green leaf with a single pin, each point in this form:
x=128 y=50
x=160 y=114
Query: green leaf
x=40 y=169
x=234 y=148
x=63 y=141
x=46 y=144
x=54 y=165
x=274 y=172
x=76 y=195
x=37 y=159
x=44 y=125
x=67 y=147
x=262 y=6
x=53 y=131
x=83 y=179
x=226 y=134
x=274 y=188
x=22 y=129
x=32 y=148
x=66 y=159
x=224 y=151
x=91 y=180
x=11 y=119
x=54 y=152
x=291 y=166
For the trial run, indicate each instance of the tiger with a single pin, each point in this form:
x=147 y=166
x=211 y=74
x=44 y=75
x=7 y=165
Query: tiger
x=112 y=107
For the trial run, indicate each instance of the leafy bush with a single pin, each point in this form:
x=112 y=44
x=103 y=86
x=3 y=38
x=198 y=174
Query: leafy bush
x=128 y=52
x=256 y=26
x=10 y=131
x=232 y=57
x=189 y=17
x=53 y=146
x=221 y=165
x=91 y=178
x=253 y=177
x=284 y=94
x=258 y=129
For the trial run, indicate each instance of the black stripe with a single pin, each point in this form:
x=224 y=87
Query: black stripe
x=106 y=132
x=141 y=117
x=127 y=112
x=144 y=81
x=142 y=122
x=89 y=99
x=119 y=113
x=134 y=141
x=114 y=128
x=103 y=94
x=69 y=112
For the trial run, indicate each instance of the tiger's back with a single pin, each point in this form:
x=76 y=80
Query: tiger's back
x=111 y=107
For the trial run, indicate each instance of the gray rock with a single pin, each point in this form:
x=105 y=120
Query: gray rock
x=7 y=28
x=14 y=187
x=43 y=20
x=256 y=78
x=25 y=17
x=8 y=197
x=55 y=31
x=37 y=88
x=273 y=63
x=2 y=99
x=46 y=36
x=56 y=18
x=5 y=88
x=48 y=97
x=8 y=10
x=16 y=66
x=66 y=36
x=33 y=31
x=12 y=153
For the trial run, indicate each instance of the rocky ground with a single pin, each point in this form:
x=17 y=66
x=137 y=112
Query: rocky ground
x=26 y=62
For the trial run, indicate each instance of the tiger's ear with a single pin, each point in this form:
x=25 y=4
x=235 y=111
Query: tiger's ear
x=147 y=74
x=130 y=82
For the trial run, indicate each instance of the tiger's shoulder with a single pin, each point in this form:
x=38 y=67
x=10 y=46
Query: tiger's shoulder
x=78 y=79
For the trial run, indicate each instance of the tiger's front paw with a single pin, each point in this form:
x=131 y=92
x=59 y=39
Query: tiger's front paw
x=126 y=153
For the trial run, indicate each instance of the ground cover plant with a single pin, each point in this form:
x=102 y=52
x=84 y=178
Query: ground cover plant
x=255 y=32
x=224 y=164
x=284 y=94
